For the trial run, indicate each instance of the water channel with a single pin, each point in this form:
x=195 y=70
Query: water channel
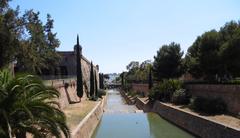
x=121 y=121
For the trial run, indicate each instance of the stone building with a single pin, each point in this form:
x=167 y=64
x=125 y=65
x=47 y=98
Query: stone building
x=67 y=69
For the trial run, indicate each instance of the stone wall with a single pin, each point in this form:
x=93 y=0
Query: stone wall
x=87 y=126
x=129 y=100
x=141 y=88
x=69 y=95
x=195 y=124
x=229 y=93
x=143 y=105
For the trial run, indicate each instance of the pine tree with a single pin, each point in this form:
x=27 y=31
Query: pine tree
x=150 y=81
x=91 y=81
x=79 y=69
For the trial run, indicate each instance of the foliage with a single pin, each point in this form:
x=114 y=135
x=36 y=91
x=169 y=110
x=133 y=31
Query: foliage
x=214 y=55
x=209 y=106
x=168 y=62
x=95 y=84
x=91 y=81
x=156 y=93
x=26 y=41
x=180 y=97
x=138 y=73
x=101 y=93
x=150 y=81
x=122 y=79
x=164 y=90
x=79 y=69
x=132 y=93
x=101 y=80
x=28 y=106
x=127 y=87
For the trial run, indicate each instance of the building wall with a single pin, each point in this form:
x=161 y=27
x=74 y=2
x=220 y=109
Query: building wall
x=229 y=93
x=69 y=95
x=141 y=88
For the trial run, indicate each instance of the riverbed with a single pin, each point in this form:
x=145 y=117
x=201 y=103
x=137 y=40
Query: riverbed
x=126 y=121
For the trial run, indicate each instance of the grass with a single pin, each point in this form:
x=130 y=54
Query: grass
x=76 y=112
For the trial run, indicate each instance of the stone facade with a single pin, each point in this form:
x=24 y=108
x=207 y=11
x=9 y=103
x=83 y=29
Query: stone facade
x=230 y=94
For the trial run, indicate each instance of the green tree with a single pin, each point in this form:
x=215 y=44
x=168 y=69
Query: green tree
x=10 y=32
x=229 y=52
x=91 y=81
x=95 y=84
x=122 y=79
x=78 y=50
x=168 y=62
x=38 y=50
x=214 y=55
x=150 y=81
x=28 y=106
x=101 y=80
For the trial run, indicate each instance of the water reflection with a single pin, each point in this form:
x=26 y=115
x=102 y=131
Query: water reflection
x=121 y=121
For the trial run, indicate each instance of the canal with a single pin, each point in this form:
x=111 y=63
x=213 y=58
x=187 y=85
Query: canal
x=122 y=121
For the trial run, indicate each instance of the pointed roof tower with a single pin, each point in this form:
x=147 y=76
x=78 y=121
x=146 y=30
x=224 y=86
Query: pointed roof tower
x=78 y=45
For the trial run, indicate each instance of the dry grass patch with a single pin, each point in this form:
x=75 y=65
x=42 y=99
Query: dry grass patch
x=76 y=112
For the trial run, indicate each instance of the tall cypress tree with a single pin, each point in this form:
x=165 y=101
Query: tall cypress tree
x=122 y=75
x=78 y=49
x=150 y=81
x=100 y=80
x=96 y=85
x=91 y=81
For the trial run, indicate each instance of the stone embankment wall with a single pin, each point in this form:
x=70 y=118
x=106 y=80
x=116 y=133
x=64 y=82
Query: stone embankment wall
x=141 y=88
x=130 y=100
x=87 y=126
x=195 y=124
x=143 y=105
x=229 y=93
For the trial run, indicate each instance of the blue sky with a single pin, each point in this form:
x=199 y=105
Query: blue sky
x=115 y=32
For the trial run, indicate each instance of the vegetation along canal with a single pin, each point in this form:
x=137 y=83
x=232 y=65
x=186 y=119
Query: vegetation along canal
x=121 y=121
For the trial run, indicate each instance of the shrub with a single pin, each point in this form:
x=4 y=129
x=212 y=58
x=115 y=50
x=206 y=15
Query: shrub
x=127 y=87
x=101 y=93
x=155 y=93
x=132 y=93
x=180 y=97
x=164 y=90
x=209 y=106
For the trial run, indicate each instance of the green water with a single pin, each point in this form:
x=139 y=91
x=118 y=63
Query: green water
x=121 y=121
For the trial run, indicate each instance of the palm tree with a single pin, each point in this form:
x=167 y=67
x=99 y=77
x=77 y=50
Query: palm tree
x=28 y=106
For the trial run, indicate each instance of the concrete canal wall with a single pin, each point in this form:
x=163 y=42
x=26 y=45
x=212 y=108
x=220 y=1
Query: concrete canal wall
x=130 y=100
x=87 y=126
x=193 y=123
x=230 y=94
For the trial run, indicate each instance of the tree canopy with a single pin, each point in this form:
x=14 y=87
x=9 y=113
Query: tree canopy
x=168 y=62
x=215 y=54
x=138 y=72
x=26 y=41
